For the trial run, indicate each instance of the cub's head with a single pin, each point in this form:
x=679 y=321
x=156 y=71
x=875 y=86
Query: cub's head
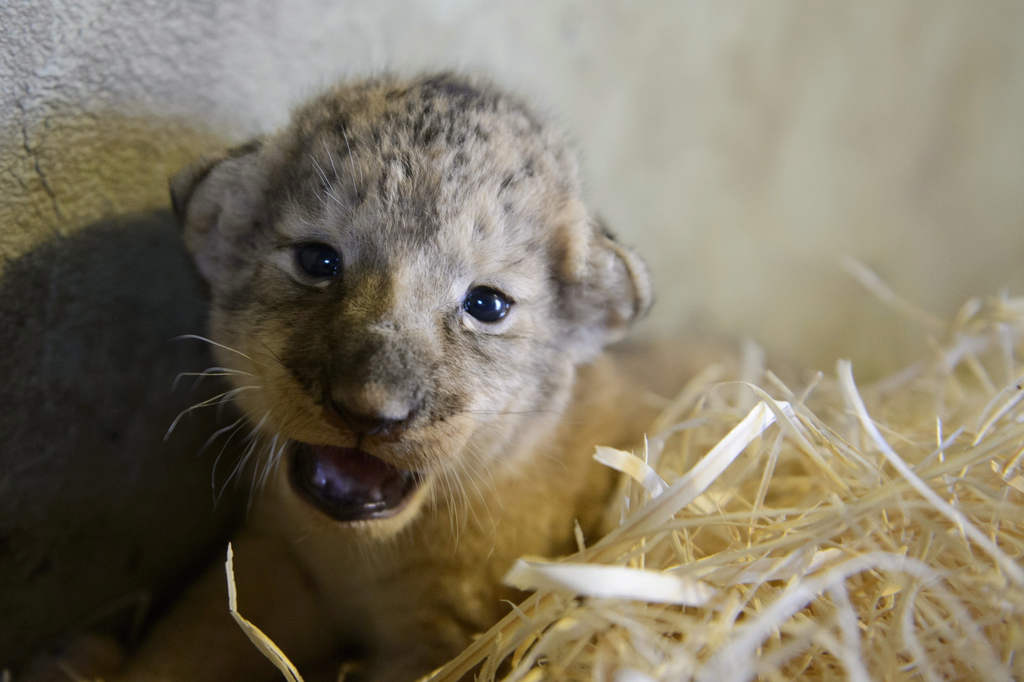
x=403 y=281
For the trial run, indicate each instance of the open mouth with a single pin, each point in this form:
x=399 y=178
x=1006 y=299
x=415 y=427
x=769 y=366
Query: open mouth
x=349 y=484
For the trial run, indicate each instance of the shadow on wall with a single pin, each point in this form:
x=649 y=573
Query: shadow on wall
x=99 y=516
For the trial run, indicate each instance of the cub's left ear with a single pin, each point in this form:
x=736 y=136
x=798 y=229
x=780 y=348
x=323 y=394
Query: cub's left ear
x=608 y=290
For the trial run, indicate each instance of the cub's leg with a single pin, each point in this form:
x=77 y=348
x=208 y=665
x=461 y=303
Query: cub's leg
x=199 y=641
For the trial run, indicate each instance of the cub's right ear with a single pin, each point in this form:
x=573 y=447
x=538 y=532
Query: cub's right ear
x=219 y=201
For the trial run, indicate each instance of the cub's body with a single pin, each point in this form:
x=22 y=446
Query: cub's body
x=411 y=300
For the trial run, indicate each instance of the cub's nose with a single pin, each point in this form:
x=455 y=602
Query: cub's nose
x=372 y=424
x=367 y=416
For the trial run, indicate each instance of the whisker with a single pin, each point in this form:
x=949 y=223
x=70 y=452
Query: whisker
x=351 y=160
x=240 y=467
x=272 y=461
x=327 y=183
x=216 y=465
x=479 y=460
x=256 y=429
x=227 y=395
x=330 y=157
x=253 y=440
x=255 y=474
x=511 y=413
x=453 y=507
x=319 y=170
x=209 y=372
x=227 y=399
x=445 y=493
x=464 y=466
x=268 y=464
x=218 y=432
x=197 y=337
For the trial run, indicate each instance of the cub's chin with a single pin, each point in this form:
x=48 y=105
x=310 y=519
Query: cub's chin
x=355 y=488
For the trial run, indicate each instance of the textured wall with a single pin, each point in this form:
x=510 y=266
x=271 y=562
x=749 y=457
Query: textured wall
x=743 y=146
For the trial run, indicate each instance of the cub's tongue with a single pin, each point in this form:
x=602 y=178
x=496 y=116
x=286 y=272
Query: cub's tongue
x=349 y=484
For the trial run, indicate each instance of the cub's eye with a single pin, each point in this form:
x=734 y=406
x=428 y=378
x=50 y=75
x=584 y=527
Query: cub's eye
x=486 y=304
x=319 y=261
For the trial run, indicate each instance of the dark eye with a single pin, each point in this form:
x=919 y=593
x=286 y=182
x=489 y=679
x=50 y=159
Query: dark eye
x=319 y=261
x=486 y=304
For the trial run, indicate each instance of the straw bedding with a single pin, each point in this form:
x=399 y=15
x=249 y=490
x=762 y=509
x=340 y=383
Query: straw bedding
x=824 y=531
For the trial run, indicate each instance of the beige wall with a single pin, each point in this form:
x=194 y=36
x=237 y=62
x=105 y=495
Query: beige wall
x=743 y=146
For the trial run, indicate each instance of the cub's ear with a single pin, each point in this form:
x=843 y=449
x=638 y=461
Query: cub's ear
x=219 y=201
x=608 y=289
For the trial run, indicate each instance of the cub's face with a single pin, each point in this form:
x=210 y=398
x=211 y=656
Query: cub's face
x=403 y=281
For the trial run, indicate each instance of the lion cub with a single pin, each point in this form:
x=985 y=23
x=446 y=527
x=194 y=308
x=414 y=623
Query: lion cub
x=413 y=298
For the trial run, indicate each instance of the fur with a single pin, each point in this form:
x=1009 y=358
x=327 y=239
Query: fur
x=426 y=188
